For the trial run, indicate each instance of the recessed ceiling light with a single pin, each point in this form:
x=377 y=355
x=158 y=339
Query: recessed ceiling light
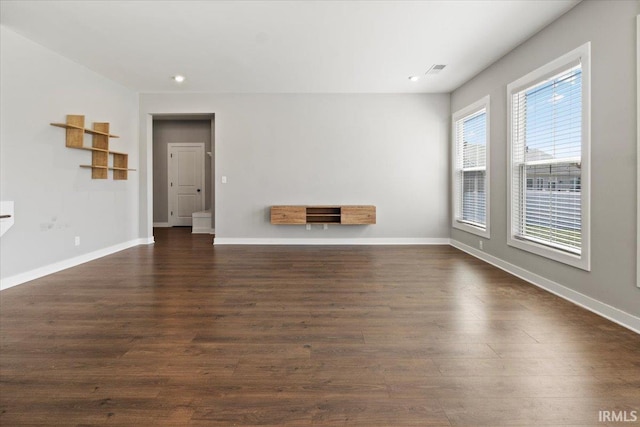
x=178 y=78
x=414 y=78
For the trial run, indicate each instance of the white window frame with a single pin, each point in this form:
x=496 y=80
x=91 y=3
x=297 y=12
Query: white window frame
x=481 y=104
x=580 y=55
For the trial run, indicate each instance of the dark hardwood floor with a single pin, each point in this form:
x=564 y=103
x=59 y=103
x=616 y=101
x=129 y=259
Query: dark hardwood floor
x=184 y=333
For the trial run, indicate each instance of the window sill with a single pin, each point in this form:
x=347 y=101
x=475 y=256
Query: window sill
x=482 y=232
x=582 y=261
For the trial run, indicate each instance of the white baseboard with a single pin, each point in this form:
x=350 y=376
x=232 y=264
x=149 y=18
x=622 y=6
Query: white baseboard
x=337 y=241
x=202 y=230
x=21 y=278
x=146 y=240
x=161 y=224
x=620 y=317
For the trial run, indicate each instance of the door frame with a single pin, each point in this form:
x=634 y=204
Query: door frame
x=146 y=164
x=170 y=188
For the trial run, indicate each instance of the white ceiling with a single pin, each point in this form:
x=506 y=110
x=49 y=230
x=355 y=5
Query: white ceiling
x=282 y=46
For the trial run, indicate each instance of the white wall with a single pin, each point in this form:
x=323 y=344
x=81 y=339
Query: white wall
x=387 y=150
x=56 y=200
x=610 y=26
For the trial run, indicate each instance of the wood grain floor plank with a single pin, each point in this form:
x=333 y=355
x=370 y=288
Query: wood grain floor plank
x=182 y=333
x=532 y=411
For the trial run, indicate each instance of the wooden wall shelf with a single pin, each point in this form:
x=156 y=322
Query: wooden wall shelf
x=100 y=148
x=83 y=129
x=347 y=214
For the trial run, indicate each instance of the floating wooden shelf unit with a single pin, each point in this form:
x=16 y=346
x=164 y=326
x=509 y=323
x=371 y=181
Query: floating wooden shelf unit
x=100 y=147
x=349 y=214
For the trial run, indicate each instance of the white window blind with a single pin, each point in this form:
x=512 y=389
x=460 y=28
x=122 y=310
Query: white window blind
x=546 y=161
x=470 y=168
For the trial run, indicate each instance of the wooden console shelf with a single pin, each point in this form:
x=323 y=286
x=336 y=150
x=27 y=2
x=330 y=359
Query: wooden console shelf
x=100 y=148
x=348 y=214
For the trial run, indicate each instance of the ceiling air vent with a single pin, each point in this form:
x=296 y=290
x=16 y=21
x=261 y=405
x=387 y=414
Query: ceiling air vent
x=435 y=69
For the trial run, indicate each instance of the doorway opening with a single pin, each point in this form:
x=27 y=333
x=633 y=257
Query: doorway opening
x=183 y=158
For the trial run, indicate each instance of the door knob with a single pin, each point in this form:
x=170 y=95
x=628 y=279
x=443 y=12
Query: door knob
x=198 y=190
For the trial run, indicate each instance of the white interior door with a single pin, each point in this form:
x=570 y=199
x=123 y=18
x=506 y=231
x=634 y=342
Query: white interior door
x=186 y=181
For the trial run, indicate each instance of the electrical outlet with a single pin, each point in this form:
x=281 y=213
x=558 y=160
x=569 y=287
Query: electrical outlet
x=308 y=227
x=77 y=241
x=480 y=244
x=325 y=226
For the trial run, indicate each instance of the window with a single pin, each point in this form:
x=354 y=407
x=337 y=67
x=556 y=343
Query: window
x=549 y=146
x=471 y=168
x=575 y=184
